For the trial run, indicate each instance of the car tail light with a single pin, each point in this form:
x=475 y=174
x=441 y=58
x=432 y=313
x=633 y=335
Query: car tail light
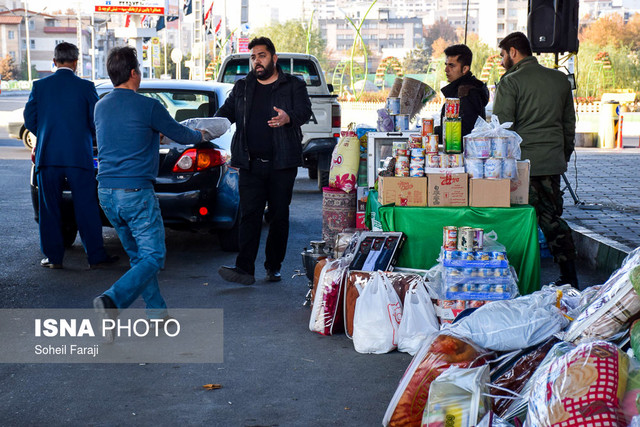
x=336 y=120
x=198 y=159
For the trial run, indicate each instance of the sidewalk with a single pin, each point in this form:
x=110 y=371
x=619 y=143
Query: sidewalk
x=606 y=220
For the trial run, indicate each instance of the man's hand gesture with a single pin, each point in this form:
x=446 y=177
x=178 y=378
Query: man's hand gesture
x=280 y=120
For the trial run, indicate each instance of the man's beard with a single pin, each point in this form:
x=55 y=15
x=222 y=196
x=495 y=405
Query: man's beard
x=508 y=63
x=266 y=72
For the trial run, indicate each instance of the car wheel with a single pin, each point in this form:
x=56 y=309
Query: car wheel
x=229 y=239
x=69 y=232
x=28 y=139
x=313 y=172
x=323 y=179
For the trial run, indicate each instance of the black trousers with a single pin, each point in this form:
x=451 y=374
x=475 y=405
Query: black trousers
x=258 y=186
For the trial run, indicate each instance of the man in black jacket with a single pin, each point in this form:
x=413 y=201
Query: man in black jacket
x=473 y=94
x=268 y=107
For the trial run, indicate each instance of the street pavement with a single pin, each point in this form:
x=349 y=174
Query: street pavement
x=607 y=211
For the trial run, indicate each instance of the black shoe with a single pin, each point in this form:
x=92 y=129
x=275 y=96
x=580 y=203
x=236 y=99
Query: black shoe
x=234 y=274
x=110 y=259
x=106 y=309
x=273 y=276
x=48 y=264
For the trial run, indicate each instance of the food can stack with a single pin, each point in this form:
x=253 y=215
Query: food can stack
x=489 y=157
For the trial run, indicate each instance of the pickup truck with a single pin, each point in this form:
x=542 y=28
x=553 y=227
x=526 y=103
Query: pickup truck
x=321 y=132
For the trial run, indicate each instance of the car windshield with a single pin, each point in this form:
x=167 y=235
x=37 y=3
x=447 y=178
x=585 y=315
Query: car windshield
x=182 y=104
x=304 y=69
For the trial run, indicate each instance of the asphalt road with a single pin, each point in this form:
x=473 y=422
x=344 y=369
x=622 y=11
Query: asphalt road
x=275 y=372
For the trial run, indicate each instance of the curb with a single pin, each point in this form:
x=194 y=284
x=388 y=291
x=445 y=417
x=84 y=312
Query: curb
x=601 y=253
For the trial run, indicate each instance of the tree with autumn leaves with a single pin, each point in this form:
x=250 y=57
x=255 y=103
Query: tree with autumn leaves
x=608 y=55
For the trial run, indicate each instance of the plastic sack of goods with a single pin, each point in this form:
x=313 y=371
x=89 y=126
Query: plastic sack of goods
x=214 y=126
x=547 y=369
x=491 y=150
x=345 y=160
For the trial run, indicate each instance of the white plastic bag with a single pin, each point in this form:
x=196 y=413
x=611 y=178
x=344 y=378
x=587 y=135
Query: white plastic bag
x=377 y=317
x=513 y=324
x=419 y=319
x=214 y=126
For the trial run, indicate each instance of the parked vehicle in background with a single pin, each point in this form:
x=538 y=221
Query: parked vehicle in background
x=196 y=187
x=322 y=131
x=17 y=130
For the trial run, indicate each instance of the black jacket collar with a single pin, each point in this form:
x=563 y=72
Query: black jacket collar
x=451 y=90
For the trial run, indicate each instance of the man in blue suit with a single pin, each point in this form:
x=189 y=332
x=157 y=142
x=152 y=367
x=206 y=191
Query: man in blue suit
x=60 y=113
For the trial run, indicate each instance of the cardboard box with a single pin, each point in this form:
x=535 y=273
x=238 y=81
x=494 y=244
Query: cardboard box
x=363 y=194
x=403 y=191
x=489 y=193
x=520 y=188
x=449 y=189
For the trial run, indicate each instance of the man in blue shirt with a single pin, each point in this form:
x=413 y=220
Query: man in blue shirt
x=128 y=127
x=60 y=113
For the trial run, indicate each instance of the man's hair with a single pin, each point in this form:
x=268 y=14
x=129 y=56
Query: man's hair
x=65 y=52
x=462 y=51
x=518 y=41
x=120 y=62
x=263 y=41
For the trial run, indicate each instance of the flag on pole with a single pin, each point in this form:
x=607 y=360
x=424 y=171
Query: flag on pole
x=207 y=20
x=187 y=8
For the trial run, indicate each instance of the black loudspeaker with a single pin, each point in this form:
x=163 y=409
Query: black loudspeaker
x=553 y=26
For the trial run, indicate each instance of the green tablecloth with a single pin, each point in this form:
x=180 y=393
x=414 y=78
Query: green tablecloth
x=517 y=230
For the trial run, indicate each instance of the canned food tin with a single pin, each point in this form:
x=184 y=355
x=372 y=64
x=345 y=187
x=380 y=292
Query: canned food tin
x=483 y=256
x=493 y=168
x=416 y=171
x=478 y=147
x=393 y=105
x=430 y=143
x=470 y=287
x=402 y=166
x=415 y=141
x=455 y=160
x=450 y=238
x=476 y=303
x=478 y=237
x=499 y=147
x=498 y=255
x=433 y=161
x=464 y=254
x=417 y=153
x=475 y=168
x=454 y=288
x=444 y=160
x=465 y=242
x=452 y=304
x=427 y=127
x=452 y=108
x=453 y=136
x=402 y=122
x=509 y=168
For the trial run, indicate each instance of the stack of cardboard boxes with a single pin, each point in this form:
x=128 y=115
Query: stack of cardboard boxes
x=455 y=189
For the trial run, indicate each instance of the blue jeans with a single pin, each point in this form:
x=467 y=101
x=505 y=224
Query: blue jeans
x=135 y=214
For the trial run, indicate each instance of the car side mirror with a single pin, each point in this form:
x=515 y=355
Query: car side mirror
x=330 y=87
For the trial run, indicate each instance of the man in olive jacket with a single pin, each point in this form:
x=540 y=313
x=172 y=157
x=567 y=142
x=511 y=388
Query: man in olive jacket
x=268 y=107
x=539 y=102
